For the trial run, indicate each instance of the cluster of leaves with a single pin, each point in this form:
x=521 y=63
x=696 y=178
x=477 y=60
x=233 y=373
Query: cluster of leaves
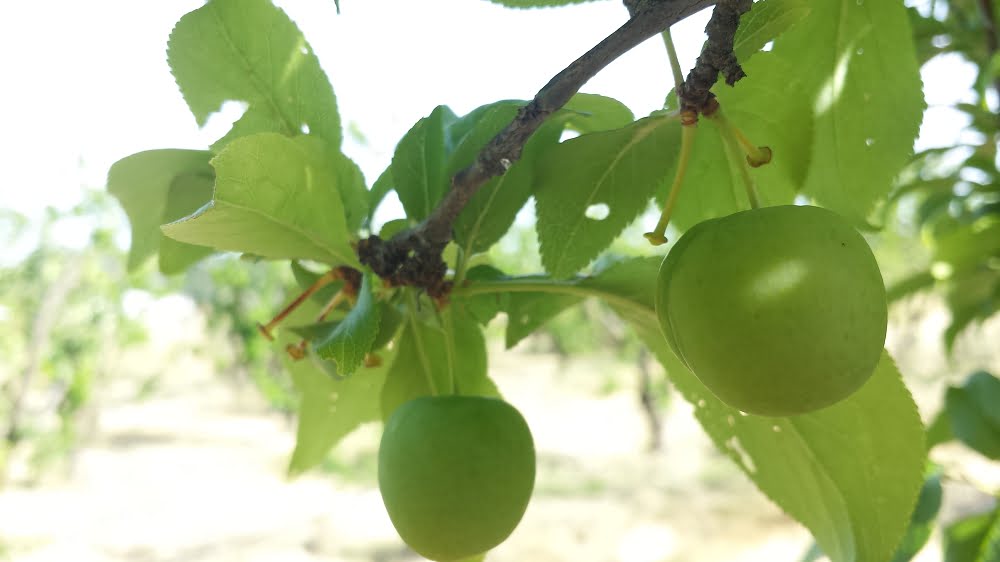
x=837 y=97
x=951 y=194
x=970 y=416
x=63 y=326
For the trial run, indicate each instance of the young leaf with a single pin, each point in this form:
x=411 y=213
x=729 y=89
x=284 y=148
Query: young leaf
x=438 y=360
x=766 y=20
x=613 y=173
x=419 y=165
x=332 y=408
x=349 y=342
x=972 y=411
x=250 y=51
x=382 y=186
x=157 y=187
x=275 y=197
x=850 y=473
x=590 y=113
x=710 y=187
x=860 y=70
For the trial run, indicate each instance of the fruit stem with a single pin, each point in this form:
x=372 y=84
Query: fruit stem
x=449 y=329
x=411 y=304
x=331 y=304
x=675 y=64
x=324 y=280
x=756 y=156
x=738 y=165
x=658 y=235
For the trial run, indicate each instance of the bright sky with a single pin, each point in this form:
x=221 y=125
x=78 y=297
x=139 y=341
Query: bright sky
x=86 y=83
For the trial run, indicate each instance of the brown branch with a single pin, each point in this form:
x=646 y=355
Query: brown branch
x=413 y=257
x=716 y=56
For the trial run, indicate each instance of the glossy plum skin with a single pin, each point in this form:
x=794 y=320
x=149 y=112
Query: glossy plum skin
x=455 y=473
x=778 y=311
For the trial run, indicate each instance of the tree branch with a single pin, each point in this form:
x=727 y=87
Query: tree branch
x=716 y=56
x=413 y=257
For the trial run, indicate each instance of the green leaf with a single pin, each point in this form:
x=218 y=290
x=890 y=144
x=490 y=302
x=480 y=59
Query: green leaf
x=450 y=357
x=922 y=521
x=250 y=51
x=591 y=113
x=526 y=312
x=331 y=408
x=491 y=211
x=766 y=20
x=973 y=539
x=157 y=187
x=419 y=164
x=850 y=473
x=864 y=83
x=351 y=339
x=485 y=307
x=711 y=189
x=973 y=413
x=275 y=197
x=382 y=186
x=614 y=171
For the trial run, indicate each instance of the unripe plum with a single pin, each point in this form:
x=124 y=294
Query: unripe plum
x=455 y=473
x=778 y=310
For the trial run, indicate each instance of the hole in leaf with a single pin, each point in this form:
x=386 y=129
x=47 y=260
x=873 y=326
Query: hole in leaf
x=567 y=135
x=597 y=211
x=305 y=128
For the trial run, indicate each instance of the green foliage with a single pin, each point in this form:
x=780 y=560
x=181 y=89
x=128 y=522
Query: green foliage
x=859 y=504
x=274 y=197
x=440 y=354
x=156 y=187
x=973 y=539
x=248 y=50
x=350 y=340
x=973 y=415
x=864 y=87
x=837 y=99
x=619 y=170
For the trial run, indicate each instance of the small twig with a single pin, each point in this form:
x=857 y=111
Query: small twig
x=413 y=257
x=716 y=56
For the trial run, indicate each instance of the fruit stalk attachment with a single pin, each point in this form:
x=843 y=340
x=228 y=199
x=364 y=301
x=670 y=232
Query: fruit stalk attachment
x=688 y=130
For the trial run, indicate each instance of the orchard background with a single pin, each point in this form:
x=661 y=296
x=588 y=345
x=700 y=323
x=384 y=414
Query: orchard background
x=145 y=418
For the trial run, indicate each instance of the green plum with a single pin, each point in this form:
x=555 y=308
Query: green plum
x=455 y=473
x=778 y=310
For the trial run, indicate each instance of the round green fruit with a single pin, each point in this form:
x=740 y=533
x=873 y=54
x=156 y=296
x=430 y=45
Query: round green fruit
x=778 y=311
x=455 y=473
